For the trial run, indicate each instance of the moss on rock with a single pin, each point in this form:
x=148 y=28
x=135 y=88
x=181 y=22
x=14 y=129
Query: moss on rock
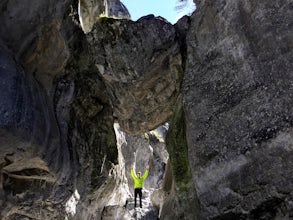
x=185 y=195
x=178 y=149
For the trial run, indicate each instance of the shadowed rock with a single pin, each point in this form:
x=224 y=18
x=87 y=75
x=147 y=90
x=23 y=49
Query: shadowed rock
x=238 y=101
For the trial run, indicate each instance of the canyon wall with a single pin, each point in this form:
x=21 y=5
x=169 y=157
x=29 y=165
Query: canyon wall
x=238 y=101
x=222 y=78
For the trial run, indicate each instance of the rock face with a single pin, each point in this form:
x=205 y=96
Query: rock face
x=178 y=182
x=230 y=137
x=89 y=11
x=116 y=9
x=140 y=63
x=30 y=30
x=238 y=99
x=56 y=119
x=57 y=135
x=31 y=159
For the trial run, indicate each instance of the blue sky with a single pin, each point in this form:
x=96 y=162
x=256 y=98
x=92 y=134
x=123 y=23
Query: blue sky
x=163 y=8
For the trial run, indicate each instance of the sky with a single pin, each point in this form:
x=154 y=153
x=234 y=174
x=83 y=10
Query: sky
x=163 y=8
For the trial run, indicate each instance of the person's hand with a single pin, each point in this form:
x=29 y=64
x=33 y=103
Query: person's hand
x=131 y=166
x=147 y=167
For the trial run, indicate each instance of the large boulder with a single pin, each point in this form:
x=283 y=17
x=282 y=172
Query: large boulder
x=140 y=62
x=238 y=100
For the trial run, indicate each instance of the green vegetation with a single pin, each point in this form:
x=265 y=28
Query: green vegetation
x=178 y=149
x=180 y=72
x=178 y=152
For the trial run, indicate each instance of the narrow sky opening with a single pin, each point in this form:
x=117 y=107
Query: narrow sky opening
x=171 y=10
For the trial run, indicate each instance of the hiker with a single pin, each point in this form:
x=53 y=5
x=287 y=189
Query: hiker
x=138 y=182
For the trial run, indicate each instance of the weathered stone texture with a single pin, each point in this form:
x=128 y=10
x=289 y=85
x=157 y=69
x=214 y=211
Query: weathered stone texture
x=61 y=90
x=238 y=99
x=38 y=33
x=140 y=63
x=116 y=9
x=29 y=134
x=51 y=106
x=178 y=179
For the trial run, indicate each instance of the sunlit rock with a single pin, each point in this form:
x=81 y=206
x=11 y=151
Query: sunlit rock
x=140 y=62
x=70 y=205
x=116 y=9
x=89 y=12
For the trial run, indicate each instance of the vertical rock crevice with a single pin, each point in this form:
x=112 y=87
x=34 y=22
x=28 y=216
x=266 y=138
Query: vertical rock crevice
x=181 y=203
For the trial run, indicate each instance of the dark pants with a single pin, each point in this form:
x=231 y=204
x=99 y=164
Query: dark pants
x=139 y=192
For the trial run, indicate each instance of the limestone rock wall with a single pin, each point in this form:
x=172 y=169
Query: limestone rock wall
x=33 y=163
x=178 y=183
x=57 y=138
x=37 y=33
x=89 y=12
x=230 y=139
x=58 y=146
x=28 y=132
x=238 y=102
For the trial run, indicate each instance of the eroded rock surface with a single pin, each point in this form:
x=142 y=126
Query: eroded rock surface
x=58 y=146
x=48 y=114
x=140 y=63
x=37 y=33
x=230 y=143
x=238 y=99
x=29 y=141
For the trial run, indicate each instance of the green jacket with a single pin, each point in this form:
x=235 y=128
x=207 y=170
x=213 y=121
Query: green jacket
x=138 y=182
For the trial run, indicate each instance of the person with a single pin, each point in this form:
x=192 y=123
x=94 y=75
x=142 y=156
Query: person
x=138 y=182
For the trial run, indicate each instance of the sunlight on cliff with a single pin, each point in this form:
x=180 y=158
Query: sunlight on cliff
x=70 y=206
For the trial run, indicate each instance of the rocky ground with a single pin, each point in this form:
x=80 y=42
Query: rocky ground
x=147 y=212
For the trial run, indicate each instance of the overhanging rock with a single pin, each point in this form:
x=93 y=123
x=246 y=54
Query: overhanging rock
x=140 y=62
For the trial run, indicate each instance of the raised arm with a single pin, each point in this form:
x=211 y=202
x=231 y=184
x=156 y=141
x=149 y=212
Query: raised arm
x=146 y=173
x=132 y=171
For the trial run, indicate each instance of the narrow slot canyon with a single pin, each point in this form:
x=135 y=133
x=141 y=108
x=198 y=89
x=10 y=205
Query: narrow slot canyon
x=207 y=103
